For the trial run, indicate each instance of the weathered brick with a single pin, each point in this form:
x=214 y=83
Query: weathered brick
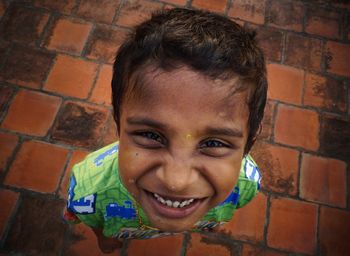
x=68 y=35
x=337 y=58
x=279 y=167
x=292 y=226
x=248 y=222
x=133 y=12
x=335 y=137
x=71 y=77
x=248 y=10
x=3 y=6
x=8 y=142
x=270 y=40
x=82 y=241
x=334 y=232
x=297 y=127
x=26 y=67
x=323 y=180
x=203 y=245
x=38 y=166
x=23 y=25
x=250 y=250
x=76 y=157
x=303 y=52
x=268 y=120
x=4 y=48
x=286 y=14
x=110 y=135
x=104 y=43
x=38 y=228
x=6 y=94
x=285 y=83
x=64 y=6
x=100 y=11
x=31 y=113
x=8 y=200
x=177 y=2
x=325 y=92
x=102 y=93
x=347 y=27
x=212 y=5
x=323 y=22
x=163 y=246
x=80 y=124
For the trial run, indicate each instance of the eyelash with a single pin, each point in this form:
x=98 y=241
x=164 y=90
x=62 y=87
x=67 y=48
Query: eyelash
x=214 y=144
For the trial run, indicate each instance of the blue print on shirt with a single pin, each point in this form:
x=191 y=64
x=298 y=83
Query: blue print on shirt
x=125 y=212
x=99 y=160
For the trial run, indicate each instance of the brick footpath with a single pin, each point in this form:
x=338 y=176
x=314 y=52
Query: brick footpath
x=55 y=71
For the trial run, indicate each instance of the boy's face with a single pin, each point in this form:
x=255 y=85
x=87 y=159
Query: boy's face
x=182 y=140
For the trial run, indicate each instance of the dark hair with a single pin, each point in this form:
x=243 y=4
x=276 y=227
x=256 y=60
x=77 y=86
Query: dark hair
x=206 y=42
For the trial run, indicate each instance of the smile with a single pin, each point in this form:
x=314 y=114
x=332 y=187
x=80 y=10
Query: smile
x=174 y=207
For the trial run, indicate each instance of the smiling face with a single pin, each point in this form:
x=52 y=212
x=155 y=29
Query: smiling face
x=181 y=145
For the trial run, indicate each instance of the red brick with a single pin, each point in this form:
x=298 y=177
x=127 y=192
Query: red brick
x=38 y=166
x=200 y=245
x=347 y=26
x=71 y=77
x=134 y=12
x=270 y=41
x=177 y=2
x=102 y=93
x=38 y=228
x=110 y=133
x=100 y=11
x=303 y=52
x=292 y=226
x=164 y=246
x=248 y=10
x=31 y=113
x=335 y=137
x=80 y=124
x=104 y=43
x=248 y=223
x=23 y=25
x=83 y=242
x=249 y=250
x=8 y=200
x=76 y=157
x=285 y=83
x=8 y=142
x=26 y=67
x=297 y=127
x=212 y=5
x=338 y=56
x=325 y=92
x=3 y=6
x=279 y=167
x=323 y=22
x=6 y=94
x=286 y=14
x=334 y=232
x=64 y=6
x=68 y=35
x=323 y=180
x=268 y=120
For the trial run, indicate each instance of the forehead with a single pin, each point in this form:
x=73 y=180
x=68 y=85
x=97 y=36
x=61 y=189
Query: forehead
x=184 y=86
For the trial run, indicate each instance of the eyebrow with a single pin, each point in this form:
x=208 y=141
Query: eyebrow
x=209 y=130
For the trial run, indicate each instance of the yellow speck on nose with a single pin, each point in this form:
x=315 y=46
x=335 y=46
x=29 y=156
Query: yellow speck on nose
x=188 y=136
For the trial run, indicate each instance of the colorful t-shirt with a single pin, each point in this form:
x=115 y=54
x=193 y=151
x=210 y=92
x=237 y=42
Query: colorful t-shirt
x=97 y=197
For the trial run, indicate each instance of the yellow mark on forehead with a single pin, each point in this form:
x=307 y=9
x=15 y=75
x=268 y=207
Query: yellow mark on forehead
x=188 y=136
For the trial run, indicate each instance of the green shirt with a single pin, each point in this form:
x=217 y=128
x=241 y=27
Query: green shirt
x=98 y=198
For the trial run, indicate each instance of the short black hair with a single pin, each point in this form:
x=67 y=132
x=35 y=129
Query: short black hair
x=209 y=43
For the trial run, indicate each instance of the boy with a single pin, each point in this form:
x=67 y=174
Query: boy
x=189 y=90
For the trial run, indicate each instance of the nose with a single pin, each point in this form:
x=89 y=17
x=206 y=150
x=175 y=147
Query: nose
x=177 y=174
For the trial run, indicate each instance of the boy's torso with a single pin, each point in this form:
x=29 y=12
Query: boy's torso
x=98 y=198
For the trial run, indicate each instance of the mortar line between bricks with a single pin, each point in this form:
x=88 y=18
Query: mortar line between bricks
x=185 y=240
x=45 y=33
x=117 y=12
x=8 y=103
x=47 y=73
x=75 y=7
x=63 y=172
x=300 y=161
x=11 y=221
x=93 y=85
x=227 y=7
x=87 y=40
x=125 y=247
x=318 y=246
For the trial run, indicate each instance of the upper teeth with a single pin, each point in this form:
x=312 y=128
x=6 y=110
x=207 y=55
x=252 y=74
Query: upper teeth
x=174 y=204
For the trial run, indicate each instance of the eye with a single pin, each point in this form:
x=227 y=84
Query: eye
x=149 y=139
x=215 y=148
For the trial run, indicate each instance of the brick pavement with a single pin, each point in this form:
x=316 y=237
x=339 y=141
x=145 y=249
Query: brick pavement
x=55 y=70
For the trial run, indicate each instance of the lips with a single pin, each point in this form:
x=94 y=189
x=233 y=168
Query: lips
x=173 y=207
